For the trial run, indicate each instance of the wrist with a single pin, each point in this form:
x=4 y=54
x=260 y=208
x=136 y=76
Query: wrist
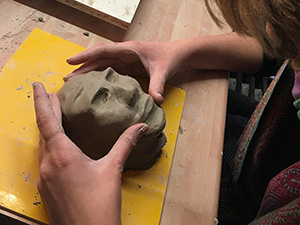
x=190 y=53
x=182 y=50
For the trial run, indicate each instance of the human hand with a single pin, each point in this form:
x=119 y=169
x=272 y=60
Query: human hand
x=74 y=188
x=159 y=60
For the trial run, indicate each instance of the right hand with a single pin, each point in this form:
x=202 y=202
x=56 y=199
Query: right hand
x=159 y=60
x=74 y=188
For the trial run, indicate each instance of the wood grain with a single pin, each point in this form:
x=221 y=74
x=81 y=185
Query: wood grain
x=119 y=13
x=193 y=185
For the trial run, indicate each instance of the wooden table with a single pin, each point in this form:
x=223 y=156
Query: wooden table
x=193 y=186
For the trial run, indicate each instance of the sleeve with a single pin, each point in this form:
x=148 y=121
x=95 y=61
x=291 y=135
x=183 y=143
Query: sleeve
x=269 y=67
x=288 y=214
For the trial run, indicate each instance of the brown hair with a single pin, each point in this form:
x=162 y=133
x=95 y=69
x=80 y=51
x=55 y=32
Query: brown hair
x=249 y=17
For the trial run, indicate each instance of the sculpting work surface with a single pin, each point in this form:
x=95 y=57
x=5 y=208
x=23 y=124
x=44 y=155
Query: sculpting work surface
x=98 y=106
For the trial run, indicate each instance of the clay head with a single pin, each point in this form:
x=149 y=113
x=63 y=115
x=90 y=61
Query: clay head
x=98 y=106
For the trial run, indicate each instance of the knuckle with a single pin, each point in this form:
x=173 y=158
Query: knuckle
x=134 y=44
x=41 y=142
x=57 y=159
x=132 y=47
x=50 y=167
x=40 y=185
x=61 y=160
x=46 y=175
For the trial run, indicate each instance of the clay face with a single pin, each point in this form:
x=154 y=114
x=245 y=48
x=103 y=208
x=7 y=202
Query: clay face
x=98 y=106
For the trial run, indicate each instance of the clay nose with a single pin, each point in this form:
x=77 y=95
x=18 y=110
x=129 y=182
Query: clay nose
x=132 y=97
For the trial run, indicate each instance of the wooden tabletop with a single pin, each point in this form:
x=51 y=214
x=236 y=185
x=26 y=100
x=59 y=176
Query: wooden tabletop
x=193 y=185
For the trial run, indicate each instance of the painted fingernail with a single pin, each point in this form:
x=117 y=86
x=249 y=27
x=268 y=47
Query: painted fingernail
x=160 y=98
x=143 y=130
x=35 y=85
x=66 y=78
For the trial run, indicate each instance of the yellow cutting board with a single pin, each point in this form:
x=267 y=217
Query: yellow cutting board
x=42 y=57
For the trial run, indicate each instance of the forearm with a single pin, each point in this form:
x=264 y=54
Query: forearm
x=229 y=52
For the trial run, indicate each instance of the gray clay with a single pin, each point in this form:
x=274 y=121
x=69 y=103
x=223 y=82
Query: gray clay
x=98 y=106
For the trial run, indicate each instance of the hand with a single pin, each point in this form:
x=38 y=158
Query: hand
x=159 y=60
x=74 y=188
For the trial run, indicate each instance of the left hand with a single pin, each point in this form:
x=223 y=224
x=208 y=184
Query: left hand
x=74 y=188
x=159 y=60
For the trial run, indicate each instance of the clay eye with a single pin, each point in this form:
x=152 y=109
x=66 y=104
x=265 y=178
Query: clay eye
x=100 y=97
x=111 y=76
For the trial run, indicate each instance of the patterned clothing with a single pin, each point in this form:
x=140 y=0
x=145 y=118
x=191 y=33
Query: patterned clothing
x=282 y=190
x=266 y=172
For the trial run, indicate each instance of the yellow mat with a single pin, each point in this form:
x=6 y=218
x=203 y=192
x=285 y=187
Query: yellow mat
x=42 y=58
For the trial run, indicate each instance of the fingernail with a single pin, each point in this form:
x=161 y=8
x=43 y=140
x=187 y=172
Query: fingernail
x=35 y=85
x=68 y=60
x=160 y=98
x=143 y=130
x=66 y=78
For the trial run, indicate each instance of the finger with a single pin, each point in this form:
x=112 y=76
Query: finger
x=156 y=88
x=102 y=50
x=56 y=106
x=122 y=148
x=47 y=122
x=41 y=149
x=82 y=57
x=98 y=64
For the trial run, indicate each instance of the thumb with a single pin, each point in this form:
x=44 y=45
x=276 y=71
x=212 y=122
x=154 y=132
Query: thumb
x=122 y=148
x=156 y=87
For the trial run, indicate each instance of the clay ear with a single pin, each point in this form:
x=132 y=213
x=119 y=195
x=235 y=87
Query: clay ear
x=111 y=76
